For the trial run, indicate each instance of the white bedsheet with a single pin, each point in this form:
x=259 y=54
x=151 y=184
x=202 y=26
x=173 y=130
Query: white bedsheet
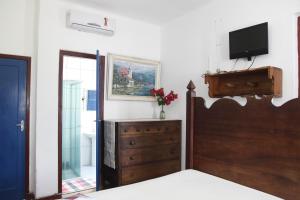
x=184 y=185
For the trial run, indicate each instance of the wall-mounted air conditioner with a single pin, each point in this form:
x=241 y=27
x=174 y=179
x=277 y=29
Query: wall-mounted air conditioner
x=90 y=23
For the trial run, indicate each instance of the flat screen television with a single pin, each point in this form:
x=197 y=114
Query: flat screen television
x=248 y=42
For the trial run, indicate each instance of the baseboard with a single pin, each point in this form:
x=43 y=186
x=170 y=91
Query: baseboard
x=30 y=196
x=52 y=197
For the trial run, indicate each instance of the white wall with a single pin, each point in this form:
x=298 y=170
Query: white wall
x=191 y=45
x=18 y=37
x=198 y=41
x=132 y=38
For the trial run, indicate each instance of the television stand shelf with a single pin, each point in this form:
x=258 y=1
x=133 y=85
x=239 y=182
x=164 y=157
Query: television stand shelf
x=258 y=81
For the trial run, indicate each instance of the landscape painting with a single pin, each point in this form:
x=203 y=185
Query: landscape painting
x=132 y=78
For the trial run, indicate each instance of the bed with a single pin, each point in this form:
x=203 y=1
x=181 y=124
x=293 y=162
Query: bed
x=256 y=145
x=229 y=150
x=188 y=184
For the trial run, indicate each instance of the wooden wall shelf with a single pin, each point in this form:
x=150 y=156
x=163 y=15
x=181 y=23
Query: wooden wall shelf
x=259 y=81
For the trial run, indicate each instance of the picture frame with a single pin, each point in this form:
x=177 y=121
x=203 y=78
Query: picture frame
x=131 y=78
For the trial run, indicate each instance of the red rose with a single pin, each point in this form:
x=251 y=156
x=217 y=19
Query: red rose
x=167 y=100
x=153 y=92
x=161 y=92
x=171 y=96
x=161 y=98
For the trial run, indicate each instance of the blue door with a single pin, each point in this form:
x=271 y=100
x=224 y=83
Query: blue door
x=12 y=130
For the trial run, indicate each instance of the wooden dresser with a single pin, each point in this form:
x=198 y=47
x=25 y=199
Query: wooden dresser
x=142 y=150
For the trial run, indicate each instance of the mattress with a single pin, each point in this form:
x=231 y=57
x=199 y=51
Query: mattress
x=188 y=184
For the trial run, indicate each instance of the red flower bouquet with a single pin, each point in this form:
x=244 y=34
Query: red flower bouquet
x=163 y=99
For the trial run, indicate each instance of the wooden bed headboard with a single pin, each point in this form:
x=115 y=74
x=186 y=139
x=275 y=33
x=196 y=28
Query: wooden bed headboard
x=257 y=145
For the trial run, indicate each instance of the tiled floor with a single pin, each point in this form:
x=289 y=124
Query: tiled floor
x=77 y=185
x=76 y=197
x=85 y=182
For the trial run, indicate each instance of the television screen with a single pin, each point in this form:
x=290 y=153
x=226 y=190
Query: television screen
x=248 y=42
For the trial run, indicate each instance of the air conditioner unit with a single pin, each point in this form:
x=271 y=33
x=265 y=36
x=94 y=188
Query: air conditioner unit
x=90 y=23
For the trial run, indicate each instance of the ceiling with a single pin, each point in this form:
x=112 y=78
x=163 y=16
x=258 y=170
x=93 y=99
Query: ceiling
x=152 y=11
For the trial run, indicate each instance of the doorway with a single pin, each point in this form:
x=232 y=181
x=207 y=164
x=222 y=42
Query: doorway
x=299 y=56
x=14 y=126
x=78 y=111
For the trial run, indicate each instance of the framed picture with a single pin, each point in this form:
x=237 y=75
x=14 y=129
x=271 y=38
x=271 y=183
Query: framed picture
x=132 y=78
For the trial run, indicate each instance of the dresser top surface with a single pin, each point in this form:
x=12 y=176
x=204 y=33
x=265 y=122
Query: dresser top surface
x=141 y=120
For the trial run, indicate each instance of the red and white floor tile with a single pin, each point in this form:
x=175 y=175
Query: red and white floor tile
x=77 y=184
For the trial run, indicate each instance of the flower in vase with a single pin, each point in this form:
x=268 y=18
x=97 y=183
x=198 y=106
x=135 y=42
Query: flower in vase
x=163 y=99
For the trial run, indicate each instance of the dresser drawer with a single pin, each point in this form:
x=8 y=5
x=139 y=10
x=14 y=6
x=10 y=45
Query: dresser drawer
x=160 y=129
x=154 y=127
x=142 y=149
x=131 y=129
x=143 y=172
x=131 y=157
x=147 y=140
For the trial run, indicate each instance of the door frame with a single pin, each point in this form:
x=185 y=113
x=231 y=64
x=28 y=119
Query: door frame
x=298 y=29
x=27 y=122
x=101 y=83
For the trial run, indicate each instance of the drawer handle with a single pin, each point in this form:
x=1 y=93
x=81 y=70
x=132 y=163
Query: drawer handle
x=125 y=130
x=132 y=142
x=147 y=129
x=251 y=84
x=138 y=130
x=131 y=158
x=106 y=182
x=158 y=129
x=230 y=85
